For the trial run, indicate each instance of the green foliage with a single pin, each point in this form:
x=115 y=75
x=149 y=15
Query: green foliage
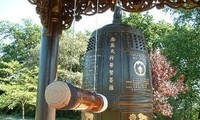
x=18 y=87
x=18 y=80
x=21 y=38
x=180 y=43
x=69 y=76
x=33 y=59
x=7 y=70
x=151 y=30
x=71 y=57
x=20 y=56
x=181 y=47
x=189 y=17
x=72 y=50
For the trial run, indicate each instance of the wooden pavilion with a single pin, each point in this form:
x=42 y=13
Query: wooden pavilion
x=57 y=15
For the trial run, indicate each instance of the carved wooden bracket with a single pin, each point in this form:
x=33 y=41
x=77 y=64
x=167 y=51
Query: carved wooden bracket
x=63 y=10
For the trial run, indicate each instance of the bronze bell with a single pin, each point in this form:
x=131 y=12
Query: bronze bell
x=123 y=73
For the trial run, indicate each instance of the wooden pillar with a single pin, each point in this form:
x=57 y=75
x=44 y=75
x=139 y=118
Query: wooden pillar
x=47 y=73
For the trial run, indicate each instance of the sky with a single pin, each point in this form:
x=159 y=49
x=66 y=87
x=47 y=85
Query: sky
x=15 y=10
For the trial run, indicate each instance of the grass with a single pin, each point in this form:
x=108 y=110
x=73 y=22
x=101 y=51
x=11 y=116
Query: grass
x=14 y=117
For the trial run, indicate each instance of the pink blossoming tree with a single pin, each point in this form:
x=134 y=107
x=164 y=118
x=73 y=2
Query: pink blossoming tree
x=163 y=87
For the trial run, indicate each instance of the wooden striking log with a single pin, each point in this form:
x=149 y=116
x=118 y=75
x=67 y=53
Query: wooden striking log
x=65 y=96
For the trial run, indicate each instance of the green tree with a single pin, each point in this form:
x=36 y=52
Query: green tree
x=72 y=50
x=152 y=31
x=71 y=56
x=18 y=71
x=179 y=42
x=20 y=39
x=181 y=47
x=183 y=17
x=18 y=86
x=17 y=78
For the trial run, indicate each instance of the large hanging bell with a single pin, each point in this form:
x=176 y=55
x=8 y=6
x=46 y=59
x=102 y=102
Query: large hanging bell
x=122 y=72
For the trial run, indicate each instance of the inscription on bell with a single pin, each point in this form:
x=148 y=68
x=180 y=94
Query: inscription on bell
x=111 y=87
x=111 y=79
x=138 y=80
x=89 y=75
x=111 y=57
x=137 y=84
x=111 y=63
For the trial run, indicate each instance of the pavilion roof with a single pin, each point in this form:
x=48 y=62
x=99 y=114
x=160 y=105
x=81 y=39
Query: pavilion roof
x=64 y=11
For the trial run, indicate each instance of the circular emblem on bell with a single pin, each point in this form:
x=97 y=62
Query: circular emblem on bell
x=139 y=68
